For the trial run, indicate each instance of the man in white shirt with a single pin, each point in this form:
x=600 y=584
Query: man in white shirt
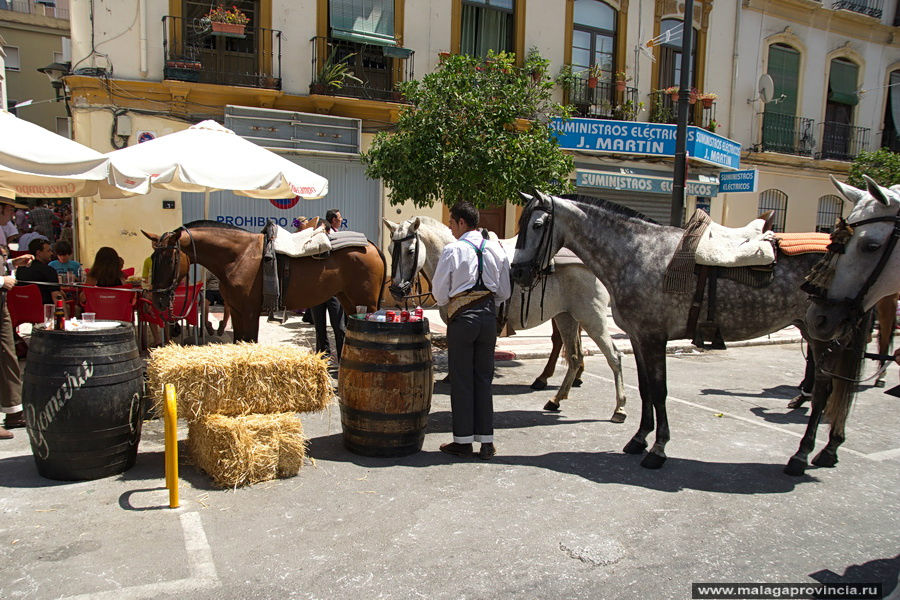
x=471 y=279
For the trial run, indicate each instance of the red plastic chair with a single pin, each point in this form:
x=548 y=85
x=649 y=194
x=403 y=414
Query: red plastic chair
x=26 y=305
x=129 y=272
x=109 y=303
x=187 y=298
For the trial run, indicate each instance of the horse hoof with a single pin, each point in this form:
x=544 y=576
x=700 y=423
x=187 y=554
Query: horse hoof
x=795 y=467
x=577 y=383
x=539 y=384
x=552 y=406
x=653 y=461
x=618 y=417
x=825 y=459
x=634 y=447
x=879 y=383
x=798 y=401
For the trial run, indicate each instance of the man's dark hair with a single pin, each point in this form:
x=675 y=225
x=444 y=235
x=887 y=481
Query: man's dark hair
x=465 y=211
x=62 y=247
x=332 y=214
x=36 y=245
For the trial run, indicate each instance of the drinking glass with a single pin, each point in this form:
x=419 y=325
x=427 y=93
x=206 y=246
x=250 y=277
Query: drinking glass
x=88 y=317
x=362 y=309
x=48 y=315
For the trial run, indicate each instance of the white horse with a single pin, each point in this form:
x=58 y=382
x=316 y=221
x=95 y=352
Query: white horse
x=864 y=265
x=573 y=296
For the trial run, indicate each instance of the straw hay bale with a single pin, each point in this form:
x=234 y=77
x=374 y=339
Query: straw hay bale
x=239 y=379
x=237 y=451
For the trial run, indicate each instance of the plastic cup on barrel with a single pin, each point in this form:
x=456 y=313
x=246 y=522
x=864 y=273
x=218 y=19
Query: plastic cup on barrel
x=88 y=317
x=48 y=315
x=361 y=309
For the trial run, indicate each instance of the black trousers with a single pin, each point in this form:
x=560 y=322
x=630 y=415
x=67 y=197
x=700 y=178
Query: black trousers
x=10 y=378
x=336 y=315
x=471 y=338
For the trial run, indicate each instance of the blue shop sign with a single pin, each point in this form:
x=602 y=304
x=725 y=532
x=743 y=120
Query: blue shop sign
x=738 y=181
x=640 y=183
x=649 y=139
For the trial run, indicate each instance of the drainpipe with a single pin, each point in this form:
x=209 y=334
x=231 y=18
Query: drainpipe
x=735 y=73
x=142 y=24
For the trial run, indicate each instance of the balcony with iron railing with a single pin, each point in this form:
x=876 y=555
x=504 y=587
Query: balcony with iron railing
x=377 y=68
x=664 y=109
x=194 y=52
x=841 y=141
x=873 y=8
x=58 y=9
x=603 y=100
x=787 y=134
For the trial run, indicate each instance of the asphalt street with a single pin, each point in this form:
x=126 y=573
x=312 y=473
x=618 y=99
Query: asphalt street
x=559 y=513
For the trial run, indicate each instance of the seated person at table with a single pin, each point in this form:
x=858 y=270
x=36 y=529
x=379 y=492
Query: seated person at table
x=40 y=270
x=106 y=271
x=64 y=262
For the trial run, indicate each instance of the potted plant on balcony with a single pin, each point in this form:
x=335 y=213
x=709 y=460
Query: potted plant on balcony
x=333 y=74
x=594 y=73
x=227 y=21
x=707 y=99
x=566 y=78
x=712 y=126
x=628 y=110
x=622 y=78
x=672 y=92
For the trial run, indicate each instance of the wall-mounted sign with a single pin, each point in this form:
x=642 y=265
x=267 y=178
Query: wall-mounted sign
x=145 y=136
x=738 y=181
x=628 y=182
x=648 y=139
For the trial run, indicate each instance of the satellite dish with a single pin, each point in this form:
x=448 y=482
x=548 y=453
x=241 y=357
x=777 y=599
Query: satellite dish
x=766 y=88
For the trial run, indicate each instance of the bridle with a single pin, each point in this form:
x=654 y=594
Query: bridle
x=819 y=279
x=539 y=264
x=160 y=249
x=402 y=290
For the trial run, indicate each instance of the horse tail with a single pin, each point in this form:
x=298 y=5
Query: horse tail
x=383 y=273
x=846 y=370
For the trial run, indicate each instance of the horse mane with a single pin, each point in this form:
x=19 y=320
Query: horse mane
x=610 y=206
x=212 y=224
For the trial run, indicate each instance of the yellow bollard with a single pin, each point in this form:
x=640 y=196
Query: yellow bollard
x=171 y=424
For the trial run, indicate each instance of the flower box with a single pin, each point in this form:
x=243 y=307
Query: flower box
x=229 y=29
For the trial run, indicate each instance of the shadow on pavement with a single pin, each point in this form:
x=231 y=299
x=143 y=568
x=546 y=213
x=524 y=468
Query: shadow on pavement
x=779 y=417
x=779 y=391
x=885 y=570
x=600 y=467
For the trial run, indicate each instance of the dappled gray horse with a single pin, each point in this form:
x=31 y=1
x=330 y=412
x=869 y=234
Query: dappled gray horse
x=572 y=295
x=630 y=254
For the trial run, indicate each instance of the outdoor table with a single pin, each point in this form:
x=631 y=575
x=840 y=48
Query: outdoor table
x=81 y=393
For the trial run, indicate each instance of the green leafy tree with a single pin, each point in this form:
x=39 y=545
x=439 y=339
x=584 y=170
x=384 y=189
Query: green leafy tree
x=882 y=165
x=476 y=130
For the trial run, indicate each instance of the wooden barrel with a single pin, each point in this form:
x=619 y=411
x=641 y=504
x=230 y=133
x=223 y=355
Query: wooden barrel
x=82 y=398
x=385 y=381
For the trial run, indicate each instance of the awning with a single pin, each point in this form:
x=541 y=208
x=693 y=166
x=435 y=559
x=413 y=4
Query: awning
x=363 y=21
x=842 y=83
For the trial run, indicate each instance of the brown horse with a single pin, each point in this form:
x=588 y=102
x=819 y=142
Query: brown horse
x=235 y=257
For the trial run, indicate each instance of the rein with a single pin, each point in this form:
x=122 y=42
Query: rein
x=540 y=273
x=404 y=287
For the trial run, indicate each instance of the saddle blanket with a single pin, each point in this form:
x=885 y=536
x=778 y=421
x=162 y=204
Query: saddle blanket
x=802 y=243
x=307 y=242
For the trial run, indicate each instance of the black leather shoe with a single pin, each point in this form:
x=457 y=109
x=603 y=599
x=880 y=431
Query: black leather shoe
x=457 y=449
x=14 y=420
x=487 y=451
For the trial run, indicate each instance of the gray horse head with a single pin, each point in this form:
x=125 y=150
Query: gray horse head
x=864 y=265
x=536 y=243
x=408 y=256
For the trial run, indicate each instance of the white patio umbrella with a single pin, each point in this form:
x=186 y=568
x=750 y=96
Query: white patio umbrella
x=38 y=163
x=208 y=157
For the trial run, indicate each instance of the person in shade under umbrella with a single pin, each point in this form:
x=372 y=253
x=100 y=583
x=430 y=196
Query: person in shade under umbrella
x=471 y=279
x=10 y=376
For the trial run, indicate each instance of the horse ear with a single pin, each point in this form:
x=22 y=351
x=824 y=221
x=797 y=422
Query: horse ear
x=390 y=225
x=848 y=191
x=876 y=191
x=525 y=197
x=150 y=236
x=414 y=226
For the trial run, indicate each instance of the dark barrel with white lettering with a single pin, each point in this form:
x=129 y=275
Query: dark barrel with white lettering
x=81 y=393
x=384 y=384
